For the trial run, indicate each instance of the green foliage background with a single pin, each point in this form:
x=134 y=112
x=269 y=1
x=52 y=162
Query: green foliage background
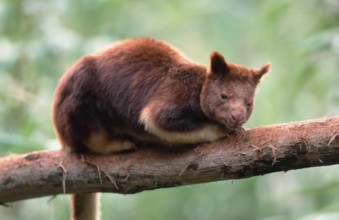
x=40 y=39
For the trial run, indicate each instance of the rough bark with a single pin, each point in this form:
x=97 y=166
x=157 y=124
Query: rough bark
x=252 y=152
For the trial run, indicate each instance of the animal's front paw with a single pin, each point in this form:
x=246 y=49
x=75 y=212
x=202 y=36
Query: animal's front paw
x=238 y=131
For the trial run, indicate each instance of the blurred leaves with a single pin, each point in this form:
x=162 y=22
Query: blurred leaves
x=40 y=39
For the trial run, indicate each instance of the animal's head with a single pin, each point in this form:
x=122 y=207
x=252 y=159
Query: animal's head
x=228 y=92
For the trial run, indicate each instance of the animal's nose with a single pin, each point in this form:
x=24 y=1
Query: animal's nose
x=237 y=117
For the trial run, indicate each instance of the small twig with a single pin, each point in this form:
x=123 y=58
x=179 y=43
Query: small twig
x=274 y=155
x=256 y=148
x=52 y=198
x=126 y=178
x=183 y=170
x=320 y=160
x=332 y=139
x=95 y=165
x=112 y=179
x=99 y=174
x=64 y=175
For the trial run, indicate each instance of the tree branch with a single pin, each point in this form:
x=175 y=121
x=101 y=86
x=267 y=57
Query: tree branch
x=253 y=152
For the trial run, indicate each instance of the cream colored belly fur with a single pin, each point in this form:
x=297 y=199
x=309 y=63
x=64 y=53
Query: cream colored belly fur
x=207 y=133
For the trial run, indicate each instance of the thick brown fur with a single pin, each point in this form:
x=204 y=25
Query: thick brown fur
x=144 y=90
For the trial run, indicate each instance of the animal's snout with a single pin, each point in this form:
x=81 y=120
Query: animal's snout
x=237 y=117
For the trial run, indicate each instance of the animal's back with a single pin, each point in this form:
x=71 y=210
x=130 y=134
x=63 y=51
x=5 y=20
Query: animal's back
x=142 y=69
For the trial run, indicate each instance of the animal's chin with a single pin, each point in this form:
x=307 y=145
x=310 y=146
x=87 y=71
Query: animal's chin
x=232 y=127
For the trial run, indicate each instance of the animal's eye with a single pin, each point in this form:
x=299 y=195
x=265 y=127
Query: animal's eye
x=224 y=97
x=249 y=104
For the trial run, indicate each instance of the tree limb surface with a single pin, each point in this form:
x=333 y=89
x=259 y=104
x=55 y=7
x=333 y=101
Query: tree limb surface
x=249 y=153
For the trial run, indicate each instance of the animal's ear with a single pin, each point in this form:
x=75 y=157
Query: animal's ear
x=218 y=64
x=261 y=71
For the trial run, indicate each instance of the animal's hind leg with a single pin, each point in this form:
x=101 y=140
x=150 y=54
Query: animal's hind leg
x=101 y=143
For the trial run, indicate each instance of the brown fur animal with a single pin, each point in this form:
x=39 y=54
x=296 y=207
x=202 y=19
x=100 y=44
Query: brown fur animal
x=144 y=90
